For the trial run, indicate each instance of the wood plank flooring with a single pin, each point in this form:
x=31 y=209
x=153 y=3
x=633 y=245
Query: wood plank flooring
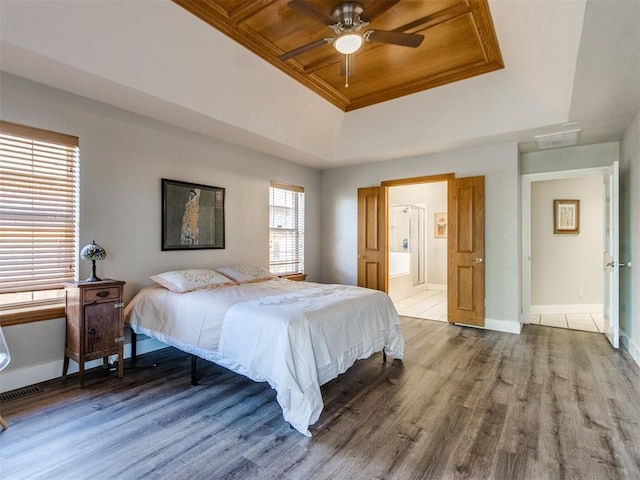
x=464 y=404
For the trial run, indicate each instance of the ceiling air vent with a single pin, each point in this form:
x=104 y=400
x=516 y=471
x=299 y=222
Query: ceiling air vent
x=559 y=139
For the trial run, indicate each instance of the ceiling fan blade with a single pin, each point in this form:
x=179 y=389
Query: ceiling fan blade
x=376 y=8
x=412 y=40
x=313 y=12
x=305 y=48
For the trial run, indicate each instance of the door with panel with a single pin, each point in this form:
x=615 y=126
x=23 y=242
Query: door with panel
x=465 y=245
x=372 y=238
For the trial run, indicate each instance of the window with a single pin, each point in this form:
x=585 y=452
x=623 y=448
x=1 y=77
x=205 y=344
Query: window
x=39 y=186
x=286 y=229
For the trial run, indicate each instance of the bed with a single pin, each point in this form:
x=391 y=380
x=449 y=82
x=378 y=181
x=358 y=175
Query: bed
x=294 y=335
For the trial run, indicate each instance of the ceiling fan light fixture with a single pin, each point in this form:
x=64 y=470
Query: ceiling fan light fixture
x=348 y=43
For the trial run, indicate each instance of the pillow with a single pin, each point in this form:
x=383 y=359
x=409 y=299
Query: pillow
x=182 y=281
x=246 y=273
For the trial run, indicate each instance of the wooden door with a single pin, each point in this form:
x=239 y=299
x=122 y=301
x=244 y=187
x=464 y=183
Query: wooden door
x=372 y=238
x=465 y=275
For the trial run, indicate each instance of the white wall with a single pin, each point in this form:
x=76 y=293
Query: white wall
x=559 y=159
x=630 y=238
x=566 y=269
x=499 y=165
x=123 y=156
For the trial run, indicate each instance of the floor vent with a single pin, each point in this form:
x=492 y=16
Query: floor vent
x=20 y=393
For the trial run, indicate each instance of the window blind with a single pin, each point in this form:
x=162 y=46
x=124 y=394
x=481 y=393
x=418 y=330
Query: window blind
x=286 y=228
x=39 y=186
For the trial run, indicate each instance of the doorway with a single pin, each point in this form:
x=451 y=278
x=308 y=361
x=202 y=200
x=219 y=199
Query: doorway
x=463 y=227
x=417 y=265
x=563 y=283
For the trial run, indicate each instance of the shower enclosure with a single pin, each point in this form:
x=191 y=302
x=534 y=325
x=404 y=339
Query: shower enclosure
x=407 y=242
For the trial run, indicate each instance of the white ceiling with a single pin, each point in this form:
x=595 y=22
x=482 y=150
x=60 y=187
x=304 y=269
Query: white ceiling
x=565 y=61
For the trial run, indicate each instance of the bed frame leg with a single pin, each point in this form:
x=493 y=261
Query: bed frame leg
x=194 y=368
x=384 y=356
x=134 y=347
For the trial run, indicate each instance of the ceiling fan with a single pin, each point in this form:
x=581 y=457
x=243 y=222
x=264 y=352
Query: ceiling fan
x=346 y=20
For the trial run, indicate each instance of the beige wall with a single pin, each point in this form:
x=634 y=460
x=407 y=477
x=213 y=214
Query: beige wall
x=123 y=156
x=570 y=158
x=499 y=165
x=566 y=269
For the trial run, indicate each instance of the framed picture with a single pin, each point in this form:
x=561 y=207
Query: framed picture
x=440 y=225
x=566 y=217
x=192 y=216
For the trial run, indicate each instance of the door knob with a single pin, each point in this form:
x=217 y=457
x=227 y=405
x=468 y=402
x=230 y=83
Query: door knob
x=360 y=256
x=477 y=260
x=613 y=264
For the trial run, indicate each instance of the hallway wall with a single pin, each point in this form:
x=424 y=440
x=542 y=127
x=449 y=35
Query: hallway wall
x=566 y=269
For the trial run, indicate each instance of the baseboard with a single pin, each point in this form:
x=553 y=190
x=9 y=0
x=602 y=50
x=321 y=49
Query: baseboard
x=630 y=346
x=566 y=309
x=23 y=377
x=505 y=326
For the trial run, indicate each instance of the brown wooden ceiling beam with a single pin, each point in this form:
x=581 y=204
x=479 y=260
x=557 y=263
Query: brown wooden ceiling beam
x=487 y=36
x=444 y=78
x=257 y=25
x=445 y=15
x=245 y=10
x=419 y=25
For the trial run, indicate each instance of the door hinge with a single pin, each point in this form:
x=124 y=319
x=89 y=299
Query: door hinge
x=118 y=305
x=118 y=339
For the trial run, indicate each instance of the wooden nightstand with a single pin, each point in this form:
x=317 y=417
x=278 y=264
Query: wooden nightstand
x=95 y=323
x=296 y=277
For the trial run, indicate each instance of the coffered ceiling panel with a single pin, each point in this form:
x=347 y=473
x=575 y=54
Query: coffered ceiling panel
x=459 y=42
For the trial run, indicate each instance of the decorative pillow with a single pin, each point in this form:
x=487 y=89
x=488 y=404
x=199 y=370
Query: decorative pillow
x=182 y=281
x=246 y=273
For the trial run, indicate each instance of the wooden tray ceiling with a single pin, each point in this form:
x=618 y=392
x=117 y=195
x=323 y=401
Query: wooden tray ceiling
x=459 y=42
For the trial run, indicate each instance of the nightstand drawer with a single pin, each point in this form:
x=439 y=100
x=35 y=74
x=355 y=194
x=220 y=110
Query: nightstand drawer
x=101 y=294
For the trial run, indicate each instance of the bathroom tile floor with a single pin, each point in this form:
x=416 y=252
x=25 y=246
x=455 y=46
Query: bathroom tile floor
x=430 y=305
x=588 y=322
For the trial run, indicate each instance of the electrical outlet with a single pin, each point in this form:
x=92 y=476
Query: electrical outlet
x=581 y=292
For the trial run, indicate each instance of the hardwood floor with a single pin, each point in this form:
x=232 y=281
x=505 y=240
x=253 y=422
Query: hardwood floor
x=465 y=403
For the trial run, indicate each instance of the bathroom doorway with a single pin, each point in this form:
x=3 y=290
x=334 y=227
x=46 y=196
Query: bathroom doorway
x=417 y=262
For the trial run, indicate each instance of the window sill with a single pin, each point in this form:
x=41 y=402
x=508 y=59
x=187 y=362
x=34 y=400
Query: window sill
x=19 y=316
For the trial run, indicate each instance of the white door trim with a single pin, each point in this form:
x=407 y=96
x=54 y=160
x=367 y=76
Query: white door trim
x=527 y=180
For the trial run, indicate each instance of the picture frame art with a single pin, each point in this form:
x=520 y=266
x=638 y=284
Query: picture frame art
x=192 y=216
x=440 y=225
x=566 y=217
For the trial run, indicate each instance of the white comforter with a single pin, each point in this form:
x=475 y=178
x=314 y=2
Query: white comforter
x=294 y=335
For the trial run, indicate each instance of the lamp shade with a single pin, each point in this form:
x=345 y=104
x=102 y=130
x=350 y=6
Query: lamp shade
x=348 y=43
x=93 y=252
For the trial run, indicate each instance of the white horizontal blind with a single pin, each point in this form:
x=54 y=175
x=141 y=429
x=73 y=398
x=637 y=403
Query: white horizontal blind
x=39 y=184
x=286 y=228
